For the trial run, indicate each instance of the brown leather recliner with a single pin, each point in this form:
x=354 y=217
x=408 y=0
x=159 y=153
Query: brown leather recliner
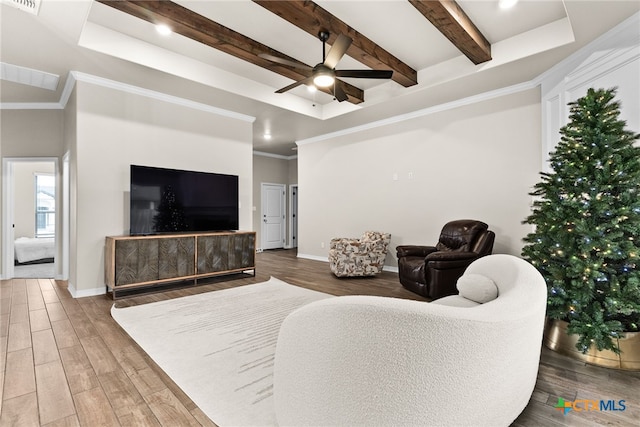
x=432 y=271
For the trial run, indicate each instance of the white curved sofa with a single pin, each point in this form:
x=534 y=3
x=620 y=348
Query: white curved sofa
x=364 y=360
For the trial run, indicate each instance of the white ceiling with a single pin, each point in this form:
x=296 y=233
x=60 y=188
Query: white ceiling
x=93 y=38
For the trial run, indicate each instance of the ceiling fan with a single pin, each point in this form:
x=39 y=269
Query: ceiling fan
x=324 y=74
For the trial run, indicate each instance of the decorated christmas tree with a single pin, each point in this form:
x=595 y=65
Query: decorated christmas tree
x=170 y=216
x=586 y=215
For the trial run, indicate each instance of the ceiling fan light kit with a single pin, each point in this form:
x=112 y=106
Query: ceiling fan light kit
x=324 y=74
x=323 y=77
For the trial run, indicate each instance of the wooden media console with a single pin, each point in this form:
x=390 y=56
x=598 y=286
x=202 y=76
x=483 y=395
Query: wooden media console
x=147 y=261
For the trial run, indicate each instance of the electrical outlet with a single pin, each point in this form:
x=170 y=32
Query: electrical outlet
x=322 y=245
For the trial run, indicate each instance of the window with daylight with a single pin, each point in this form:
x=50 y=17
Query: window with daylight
x=45 y=205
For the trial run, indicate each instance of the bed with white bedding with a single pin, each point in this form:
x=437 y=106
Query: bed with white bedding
x=34 y=250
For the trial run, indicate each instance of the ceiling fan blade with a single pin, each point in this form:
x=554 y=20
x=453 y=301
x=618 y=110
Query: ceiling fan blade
x=284 y=61
x=337 y=51
x=365 y=74
x=306 y=81
x=339 y=91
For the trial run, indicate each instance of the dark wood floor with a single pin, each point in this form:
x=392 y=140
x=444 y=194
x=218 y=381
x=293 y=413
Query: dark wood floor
x=65 y=362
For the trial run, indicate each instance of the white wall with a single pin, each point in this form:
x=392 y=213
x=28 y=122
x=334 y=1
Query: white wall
x=116 y=129
x=478 y=161
x=31 y=133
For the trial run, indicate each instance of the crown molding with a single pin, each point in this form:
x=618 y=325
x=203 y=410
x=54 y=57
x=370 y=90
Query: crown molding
x=423 y=112
x=30 y=106
x=136 y=90
x=78 y=76
x=625 y=33
x=275 y=156
x=69 y=85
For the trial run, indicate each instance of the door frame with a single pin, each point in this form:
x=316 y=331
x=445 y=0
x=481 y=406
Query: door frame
x=66 y=214
x=282 y=209
x=293 y=216
x=8 y=211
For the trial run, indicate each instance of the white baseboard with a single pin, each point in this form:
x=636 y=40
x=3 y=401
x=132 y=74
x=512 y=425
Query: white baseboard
x=85 y=292
x=313 y=257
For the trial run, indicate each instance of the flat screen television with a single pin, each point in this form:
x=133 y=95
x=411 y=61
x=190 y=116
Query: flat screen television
x=172 y=200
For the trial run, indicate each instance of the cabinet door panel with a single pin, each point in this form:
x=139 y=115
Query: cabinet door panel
x=249 y=250
x=213 y=254
x=241 y=251
x=136 y=261
x=176 y=257
x=235 y=252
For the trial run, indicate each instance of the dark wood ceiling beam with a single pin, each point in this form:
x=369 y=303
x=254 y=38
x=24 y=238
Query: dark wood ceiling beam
x=201 y=29
x=312 y=18
x=450 y=20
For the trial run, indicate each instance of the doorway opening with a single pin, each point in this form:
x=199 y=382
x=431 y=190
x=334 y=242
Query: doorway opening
x=31 y=217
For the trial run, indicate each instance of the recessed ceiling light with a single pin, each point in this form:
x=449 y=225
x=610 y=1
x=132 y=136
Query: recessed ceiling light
x=507 y=4
x=267 y=136
x=163 y=29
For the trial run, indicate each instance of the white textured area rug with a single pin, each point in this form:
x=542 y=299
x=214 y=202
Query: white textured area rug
x=219 y=347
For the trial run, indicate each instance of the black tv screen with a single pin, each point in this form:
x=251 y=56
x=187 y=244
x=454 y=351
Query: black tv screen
x=171 y=200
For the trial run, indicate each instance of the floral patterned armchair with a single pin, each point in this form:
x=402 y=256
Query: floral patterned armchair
x=359 y=257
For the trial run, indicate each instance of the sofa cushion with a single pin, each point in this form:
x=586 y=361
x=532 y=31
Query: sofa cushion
x=477 y=287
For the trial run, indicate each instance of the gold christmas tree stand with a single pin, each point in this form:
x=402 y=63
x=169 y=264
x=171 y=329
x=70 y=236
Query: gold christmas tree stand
x=557 y=339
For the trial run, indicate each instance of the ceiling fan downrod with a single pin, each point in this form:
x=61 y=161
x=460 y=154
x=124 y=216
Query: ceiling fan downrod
x=324 y=36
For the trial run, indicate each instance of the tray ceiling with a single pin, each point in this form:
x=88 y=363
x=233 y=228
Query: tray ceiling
x=524 y=42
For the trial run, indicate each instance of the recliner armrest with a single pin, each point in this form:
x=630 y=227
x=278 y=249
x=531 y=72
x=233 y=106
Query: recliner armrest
x=414 y=250
x=450 y=259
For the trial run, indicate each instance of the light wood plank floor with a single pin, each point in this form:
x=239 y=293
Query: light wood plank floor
x=65 y=362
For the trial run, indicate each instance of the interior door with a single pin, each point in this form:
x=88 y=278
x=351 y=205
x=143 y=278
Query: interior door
x=273 y=216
